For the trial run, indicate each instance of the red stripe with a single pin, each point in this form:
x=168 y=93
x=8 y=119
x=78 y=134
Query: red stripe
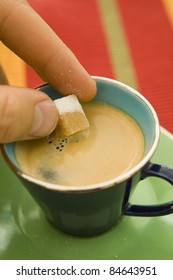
x=150 y=38
x=78 y=24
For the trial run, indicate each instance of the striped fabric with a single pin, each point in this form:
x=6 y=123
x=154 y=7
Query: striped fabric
x=129 y=40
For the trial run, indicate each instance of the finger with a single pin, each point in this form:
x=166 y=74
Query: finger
x=3 y=78
x=24 y=32
x=25 y=114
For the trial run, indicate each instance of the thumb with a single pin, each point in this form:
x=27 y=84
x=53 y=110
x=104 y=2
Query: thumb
x=25 y=114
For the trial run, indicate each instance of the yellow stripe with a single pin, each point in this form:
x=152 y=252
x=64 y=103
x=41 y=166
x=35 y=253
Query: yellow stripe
x=121 y=60
x=13 y=66
x=168 y=5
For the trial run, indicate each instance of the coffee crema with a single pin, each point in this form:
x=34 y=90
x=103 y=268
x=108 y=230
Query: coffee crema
x=113 y=144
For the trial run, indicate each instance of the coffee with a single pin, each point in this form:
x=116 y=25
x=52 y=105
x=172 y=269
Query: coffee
x=113 y=144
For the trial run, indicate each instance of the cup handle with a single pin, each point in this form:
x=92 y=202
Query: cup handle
x=156 y=170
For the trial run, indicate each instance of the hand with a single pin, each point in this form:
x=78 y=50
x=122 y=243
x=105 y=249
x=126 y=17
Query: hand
x=27 y=113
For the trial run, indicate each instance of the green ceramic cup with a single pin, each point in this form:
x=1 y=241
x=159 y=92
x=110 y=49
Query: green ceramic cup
x=93 y=209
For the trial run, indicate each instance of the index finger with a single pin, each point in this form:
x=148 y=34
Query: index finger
x=28 y=35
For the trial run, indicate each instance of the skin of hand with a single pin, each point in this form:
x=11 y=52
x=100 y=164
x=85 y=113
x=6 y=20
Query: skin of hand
x=26 y=113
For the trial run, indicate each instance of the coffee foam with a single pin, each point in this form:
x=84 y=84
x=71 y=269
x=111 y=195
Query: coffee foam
x=56 y=146
x=111 y=145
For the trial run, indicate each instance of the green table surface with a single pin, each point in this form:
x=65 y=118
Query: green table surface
x=26 y=234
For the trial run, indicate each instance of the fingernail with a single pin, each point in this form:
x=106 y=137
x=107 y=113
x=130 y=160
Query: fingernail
x=45 y=119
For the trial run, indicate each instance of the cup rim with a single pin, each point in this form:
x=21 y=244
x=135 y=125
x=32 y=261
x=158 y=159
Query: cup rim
x=106 y=184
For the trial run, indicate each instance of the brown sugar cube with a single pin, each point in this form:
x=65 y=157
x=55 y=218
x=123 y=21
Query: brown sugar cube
x=72 y=118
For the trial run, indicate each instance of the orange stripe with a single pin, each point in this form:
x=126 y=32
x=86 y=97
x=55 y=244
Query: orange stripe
x=168 y=5
x=13 y=66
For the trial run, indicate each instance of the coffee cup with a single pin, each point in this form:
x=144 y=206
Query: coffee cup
x=92 y=209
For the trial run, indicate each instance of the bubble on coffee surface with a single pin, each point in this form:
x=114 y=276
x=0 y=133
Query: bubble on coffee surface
x=58 y=142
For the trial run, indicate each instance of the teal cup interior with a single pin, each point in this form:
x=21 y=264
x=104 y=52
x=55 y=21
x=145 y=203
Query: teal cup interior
x=90 y=210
